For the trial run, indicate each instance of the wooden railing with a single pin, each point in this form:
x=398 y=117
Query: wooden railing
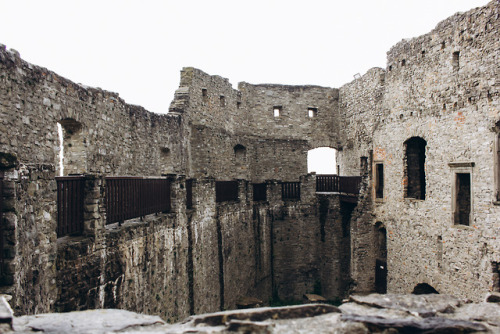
x=132 y=197
x=226 y=191
x=290 y=190
x=338 y=184
x=70 y=195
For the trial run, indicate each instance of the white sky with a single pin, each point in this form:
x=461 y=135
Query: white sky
x=137 y=48
x=322 y=160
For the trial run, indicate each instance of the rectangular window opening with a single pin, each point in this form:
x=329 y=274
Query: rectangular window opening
x=495 y=270
x=462 y=199
x=456 y=60
x=204 y=94
x=379 y=181
x=312 y=112
x=277 y=110
x=222 y=101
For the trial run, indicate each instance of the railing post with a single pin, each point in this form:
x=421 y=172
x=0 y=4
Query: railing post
x=94 y=205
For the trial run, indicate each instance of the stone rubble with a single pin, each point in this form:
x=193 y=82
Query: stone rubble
x=360 y=314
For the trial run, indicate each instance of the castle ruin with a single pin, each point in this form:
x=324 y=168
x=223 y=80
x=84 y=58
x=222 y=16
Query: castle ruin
x=231 y=210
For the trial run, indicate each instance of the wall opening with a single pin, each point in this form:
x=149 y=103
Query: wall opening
x=240 y=152
x=222 y=101
x=423 y=289
x=415 y=168
x=456 y=60
x=322 y=160
x=439 y=253
x=381 y=258
x=204 y=95
x=277 y=110
x=462 y=199
x=495 y=270
x=379 y=180
x=72 y=156
x=312 y=112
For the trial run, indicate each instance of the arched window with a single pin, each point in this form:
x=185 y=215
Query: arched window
x=240 y=152
x=415 y=168
x=72 y=148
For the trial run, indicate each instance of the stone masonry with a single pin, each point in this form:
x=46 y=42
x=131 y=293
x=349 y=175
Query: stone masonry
x=423 y=135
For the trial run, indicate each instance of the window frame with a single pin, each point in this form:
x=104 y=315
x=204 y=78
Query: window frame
x=377 y=180
x=461 y=168
x=407 y=174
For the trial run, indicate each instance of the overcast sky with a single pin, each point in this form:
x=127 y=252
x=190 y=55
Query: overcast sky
x=137 y=48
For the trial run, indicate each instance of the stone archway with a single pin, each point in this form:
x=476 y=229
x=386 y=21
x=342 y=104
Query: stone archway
x=424 y=289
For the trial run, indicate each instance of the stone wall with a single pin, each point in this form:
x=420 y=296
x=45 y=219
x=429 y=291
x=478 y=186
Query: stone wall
x=276 y=147
x=114 y=135
x=309 y=247
x=441 y=87
x=107 y=136
x=30 y=239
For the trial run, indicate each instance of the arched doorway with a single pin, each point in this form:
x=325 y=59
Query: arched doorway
x=423 y=289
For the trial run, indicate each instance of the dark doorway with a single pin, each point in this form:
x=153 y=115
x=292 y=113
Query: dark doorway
x=423 y=289
x=380 y=276
x=381 y=260
x=463 y=199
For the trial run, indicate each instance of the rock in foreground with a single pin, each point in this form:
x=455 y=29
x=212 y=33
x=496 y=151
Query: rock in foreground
x=361 y=314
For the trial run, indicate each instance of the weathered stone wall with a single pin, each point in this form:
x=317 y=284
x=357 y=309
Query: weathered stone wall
x=309 y=251
x=29 y=237
x=276 y=147
x=361 y=112
x=34 y=100
x=442 y=87
x=294 y=121
x=113 y=139
x=141 y=265
x=204 y=245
